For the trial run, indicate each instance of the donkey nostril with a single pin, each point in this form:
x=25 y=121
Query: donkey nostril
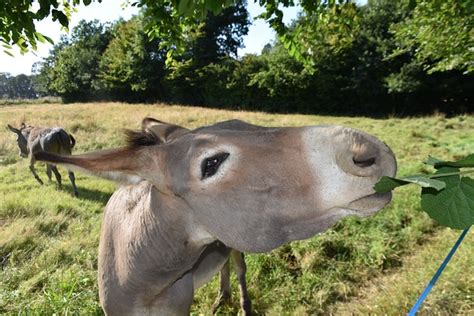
x=363 y=162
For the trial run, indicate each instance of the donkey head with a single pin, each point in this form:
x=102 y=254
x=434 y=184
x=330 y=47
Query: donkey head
x=252 y=187
x=22 y=138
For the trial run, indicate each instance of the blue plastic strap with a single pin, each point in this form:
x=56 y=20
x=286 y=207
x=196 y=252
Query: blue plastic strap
x=437 y=274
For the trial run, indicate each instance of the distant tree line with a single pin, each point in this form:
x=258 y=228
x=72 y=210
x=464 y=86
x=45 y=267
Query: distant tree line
x=16 y=87
x=386 y=57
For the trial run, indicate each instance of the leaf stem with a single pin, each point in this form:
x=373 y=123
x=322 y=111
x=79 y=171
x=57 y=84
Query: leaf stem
x=440 y=175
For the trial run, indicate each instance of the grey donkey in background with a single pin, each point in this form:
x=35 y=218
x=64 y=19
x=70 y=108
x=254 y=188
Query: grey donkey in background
x=53 y=140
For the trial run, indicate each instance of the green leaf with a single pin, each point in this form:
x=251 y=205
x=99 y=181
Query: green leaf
x=425 y=182
x=8 y=52
x=214 y=5
x=59 y=15
x=432 y=161
x=467 y=162
x=48 y=39
x=386 y=184
x=40 y=37
x=184 y=7
x=453 y=206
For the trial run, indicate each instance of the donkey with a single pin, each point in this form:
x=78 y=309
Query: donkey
x=184 y=204
x=164 y=132
x=54 y=140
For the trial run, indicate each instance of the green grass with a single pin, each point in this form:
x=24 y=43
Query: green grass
x=49 y=239
x=399 y=289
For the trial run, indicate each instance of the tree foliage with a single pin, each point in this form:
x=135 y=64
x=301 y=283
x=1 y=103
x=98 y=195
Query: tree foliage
x=71 y=71
x=173 y=20
x=211 y=43
x=337 y=57
x=439 y=34
x=18 y=18
x=131 y=66
x=168 y=20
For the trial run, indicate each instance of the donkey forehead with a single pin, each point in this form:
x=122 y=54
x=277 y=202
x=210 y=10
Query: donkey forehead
x=239 y=128
x=234 y=136
x=263 y=136
x=233 y=125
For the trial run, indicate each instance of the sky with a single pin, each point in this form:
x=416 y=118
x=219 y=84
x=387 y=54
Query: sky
x=111 y=10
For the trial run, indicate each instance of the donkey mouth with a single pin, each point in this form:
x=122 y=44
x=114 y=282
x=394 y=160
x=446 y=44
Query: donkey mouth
x=369 y=204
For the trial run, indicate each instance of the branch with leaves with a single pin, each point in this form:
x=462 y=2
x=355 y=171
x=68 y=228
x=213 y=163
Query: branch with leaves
x=18 y=18
x=168 y=20
x=447 y=195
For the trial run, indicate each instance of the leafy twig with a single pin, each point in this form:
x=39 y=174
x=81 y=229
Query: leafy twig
x=449 y=199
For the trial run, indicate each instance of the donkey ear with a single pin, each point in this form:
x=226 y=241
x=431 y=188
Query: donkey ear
x=163 y=131
x=126 y=165
x=14 y=130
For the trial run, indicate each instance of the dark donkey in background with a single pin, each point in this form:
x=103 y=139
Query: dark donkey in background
x=53 y=140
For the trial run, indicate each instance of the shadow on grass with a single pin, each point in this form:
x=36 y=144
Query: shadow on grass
x=89 y=194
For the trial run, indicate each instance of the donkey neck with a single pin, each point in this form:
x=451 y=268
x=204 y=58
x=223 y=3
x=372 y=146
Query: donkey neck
x=148 y=241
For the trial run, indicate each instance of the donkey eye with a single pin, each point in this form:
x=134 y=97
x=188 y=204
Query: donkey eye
x=210 y=165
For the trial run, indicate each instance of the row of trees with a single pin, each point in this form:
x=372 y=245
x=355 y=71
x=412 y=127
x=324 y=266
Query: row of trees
x=16 y=87
x=399 y=57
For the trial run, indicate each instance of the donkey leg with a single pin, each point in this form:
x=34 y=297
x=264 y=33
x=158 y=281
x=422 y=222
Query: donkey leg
x=224 y=291
x=48 y=171
x=33 y=171
x=241 y=270
x=73 y=182
x=175 y=300
x=57 y=175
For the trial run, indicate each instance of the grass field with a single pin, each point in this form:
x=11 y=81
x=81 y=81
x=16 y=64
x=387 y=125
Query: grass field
x=49 y=239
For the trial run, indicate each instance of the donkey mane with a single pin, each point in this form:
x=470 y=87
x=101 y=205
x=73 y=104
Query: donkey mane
x=140 y=138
